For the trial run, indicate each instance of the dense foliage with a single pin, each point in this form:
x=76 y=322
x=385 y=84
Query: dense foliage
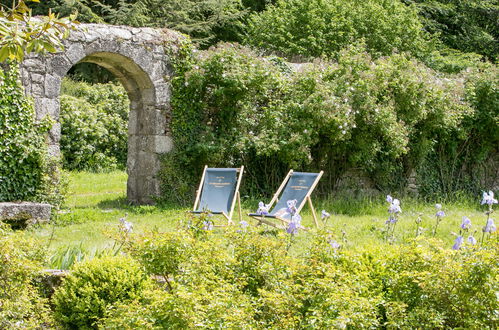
x=94 y=125
x=314 y=28
x=247 y=279
x=383 y=117
x=20 y=34
x=23 y=161
x=469 y=26
x=93 y=286
x=22 y=305
x=466 y=157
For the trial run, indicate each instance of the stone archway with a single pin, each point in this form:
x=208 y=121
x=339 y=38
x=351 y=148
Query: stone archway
x=137 y=57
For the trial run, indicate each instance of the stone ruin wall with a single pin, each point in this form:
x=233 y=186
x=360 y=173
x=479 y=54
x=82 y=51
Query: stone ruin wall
x=139 y=58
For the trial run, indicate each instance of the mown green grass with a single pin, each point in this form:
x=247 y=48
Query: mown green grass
x=97 y=201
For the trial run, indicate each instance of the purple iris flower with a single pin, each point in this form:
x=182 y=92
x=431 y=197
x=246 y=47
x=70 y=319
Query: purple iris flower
x=471 y=240
x=291 y=206
x=243 y=224
x=207 y=225
x=262 y=209
x=335 y=245
x=294 y=224
x=466 y=224
x=458 y=243
x=490 y=227
x=489 y=198
x=389 y=199
x=126 y=226
x=395 y=206
x=292 y=228
x=325 y=215
x=440 y=214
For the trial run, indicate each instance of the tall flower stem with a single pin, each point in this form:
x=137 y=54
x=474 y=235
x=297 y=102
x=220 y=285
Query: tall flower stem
x=488 y=218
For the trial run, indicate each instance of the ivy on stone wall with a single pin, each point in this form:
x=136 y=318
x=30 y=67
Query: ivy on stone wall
x=23 y=161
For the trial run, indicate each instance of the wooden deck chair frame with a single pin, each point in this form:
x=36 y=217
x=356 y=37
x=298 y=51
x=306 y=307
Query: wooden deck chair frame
x=275 y=198
x=237 y=196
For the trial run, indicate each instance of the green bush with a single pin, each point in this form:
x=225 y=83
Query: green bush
x=94 y=126
x=315 y=28
x=21 y=259
x=465 y=157
x=381 y=117
x=246 y=278
x=24 y=165
x=93 y=286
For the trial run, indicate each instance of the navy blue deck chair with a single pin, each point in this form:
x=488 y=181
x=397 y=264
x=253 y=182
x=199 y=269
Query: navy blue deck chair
x=296 y=186
x=219 y=191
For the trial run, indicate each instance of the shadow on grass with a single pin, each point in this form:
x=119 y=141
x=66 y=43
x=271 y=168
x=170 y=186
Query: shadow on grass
x=121 y=203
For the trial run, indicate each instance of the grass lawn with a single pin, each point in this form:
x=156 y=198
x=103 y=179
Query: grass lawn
x=97 y=201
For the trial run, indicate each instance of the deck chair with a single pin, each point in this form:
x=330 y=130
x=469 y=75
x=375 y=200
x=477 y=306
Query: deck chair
x=219 y=191
x=296 y=185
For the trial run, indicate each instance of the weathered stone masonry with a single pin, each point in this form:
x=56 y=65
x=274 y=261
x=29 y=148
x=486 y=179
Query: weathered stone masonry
x=138 y=58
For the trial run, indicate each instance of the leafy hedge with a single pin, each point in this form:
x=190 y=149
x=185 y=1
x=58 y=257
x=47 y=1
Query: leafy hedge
x=247 y=279
x=383 y=117
x=23 y=150
x=316 y=28
x=94 y=125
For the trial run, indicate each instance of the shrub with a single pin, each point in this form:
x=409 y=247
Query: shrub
x=465 y=157
x=23 y=153
x=93 y=286
x=94 y=126
x=247 y=279
x=381 y=117
x=315 y=28
x=22 y=306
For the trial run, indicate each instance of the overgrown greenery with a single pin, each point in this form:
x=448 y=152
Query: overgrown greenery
x=21 y=259
x=248 y=279
x=315 y=28
x=95 y=285
x=94 y=125
x=288 y=26
x=383 y=117
x=23 y=151
x=469 y=26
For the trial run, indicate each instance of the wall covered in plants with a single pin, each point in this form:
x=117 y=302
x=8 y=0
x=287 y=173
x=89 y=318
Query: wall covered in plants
x=386 y=117
x=23 y=152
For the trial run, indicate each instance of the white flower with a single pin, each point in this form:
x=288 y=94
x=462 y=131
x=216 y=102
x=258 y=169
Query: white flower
x=325 y=215
x=489 y=198
x=438 y=206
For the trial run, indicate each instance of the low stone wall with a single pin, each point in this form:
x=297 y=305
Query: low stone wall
x=20 y=215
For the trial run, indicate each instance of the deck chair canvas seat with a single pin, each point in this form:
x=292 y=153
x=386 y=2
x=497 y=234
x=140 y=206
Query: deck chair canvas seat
x=219 y=191
x=296 y=186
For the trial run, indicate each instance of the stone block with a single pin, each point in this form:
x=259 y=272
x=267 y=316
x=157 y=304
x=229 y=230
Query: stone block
x=75 y=52
x=162 y=144
x=55 y=132
x=46 y=107
x=120 y=33
x=52 y=86
x=54 y=149
x=20 y=215
x=60 y=65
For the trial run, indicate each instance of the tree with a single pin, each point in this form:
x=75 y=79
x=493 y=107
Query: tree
x=21 y=33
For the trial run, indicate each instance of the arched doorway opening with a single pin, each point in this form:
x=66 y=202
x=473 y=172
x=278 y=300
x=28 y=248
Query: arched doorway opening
x=137 y=58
